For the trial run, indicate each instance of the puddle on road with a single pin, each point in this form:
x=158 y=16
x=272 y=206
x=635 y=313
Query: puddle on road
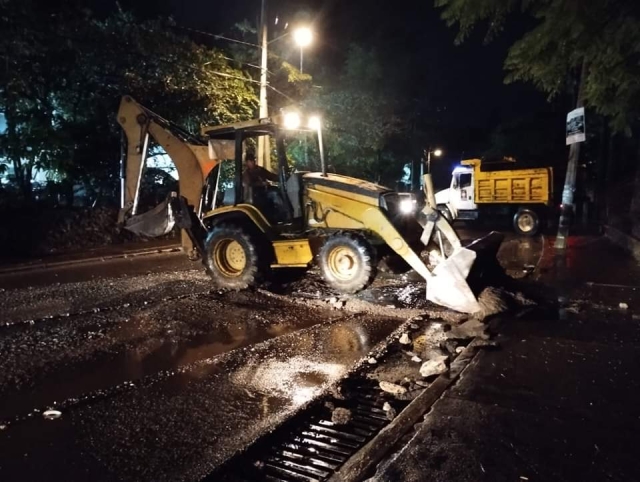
x=99 y=376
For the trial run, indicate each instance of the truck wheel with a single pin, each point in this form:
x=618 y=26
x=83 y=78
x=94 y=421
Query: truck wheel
x=526 y=222
x=347 y=263
x=446 y=213
x=232 y=257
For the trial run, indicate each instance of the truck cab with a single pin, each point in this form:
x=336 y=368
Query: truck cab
x=497 y=189
x=458 y=201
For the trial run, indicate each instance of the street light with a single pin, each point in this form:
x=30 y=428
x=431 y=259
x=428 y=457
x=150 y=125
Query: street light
x=427 y=153
x=303 y=36
x=437 y=153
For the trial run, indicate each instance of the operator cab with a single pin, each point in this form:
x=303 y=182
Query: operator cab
x=279 y=199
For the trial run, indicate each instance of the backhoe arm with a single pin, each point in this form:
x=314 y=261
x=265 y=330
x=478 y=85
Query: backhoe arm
x=189 y=154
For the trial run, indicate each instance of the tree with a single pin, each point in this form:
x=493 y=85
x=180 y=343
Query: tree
x=604 y=35
x=360 y=117
x=65 y=71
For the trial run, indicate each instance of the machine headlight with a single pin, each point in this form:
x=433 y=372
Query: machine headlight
x=314 y=122
x=291 y=120
x=407 y=206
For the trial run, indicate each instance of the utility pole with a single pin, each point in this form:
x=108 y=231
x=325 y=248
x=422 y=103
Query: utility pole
x=568 y=207
x=263 y=141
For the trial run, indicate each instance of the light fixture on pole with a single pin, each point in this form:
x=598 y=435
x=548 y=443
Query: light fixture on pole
x=437 y=153
x=303 y=36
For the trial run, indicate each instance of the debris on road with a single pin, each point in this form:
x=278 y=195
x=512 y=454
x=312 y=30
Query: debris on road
x=392 y=388
x=372 y=361
x=51 y=414
x=434 y=366
x=416 y=359
x=389 y=411
x=341 y=416
x=469 y=329
x=404 y=339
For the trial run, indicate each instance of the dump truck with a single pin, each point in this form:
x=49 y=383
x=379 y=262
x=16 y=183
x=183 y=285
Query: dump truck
x=481 y=190
x=242 y=232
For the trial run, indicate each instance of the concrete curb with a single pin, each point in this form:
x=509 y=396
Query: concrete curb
x=20 y=268
x=625 y=241
x=365 y=460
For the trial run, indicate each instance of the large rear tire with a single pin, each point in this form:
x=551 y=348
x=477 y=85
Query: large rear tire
x=232 y=257
x=526 y=222
x=347 y=263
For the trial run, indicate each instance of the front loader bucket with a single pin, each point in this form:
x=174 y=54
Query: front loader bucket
x=152 y=224
x=447 y=285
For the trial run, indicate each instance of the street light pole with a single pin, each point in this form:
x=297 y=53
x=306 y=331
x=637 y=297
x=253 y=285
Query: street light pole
x=301 y=59
x=263 y=141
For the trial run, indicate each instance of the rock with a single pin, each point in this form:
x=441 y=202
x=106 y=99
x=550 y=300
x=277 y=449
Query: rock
x=623 y=306
x=333 y=300
x=435 y=366
x=341 y=416
x=404 y=339
x=460 y=349
x=390 y=412
x=434 y=352
x=422 y=384
x=468 y=329
x=413 y=326
x=372 y=361
x=336 y=392
x=51 y=414
x=449 y=346
x=392 y=388
x=416 y=359
x=330 y=405
x=391 y=307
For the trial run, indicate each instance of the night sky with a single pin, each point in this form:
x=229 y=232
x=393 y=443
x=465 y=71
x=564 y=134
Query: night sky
x=459 y=87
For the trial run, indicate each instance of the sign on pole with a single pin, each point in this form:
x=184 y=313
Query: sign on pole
x=576 y=126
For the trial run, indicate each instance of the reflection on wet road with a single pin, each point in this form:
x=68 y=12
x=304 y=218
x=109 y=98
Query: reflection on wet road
x=184 y=425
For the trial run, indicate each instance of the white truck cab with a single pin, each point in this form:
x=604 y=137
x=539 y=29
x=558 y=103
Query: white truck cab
x=459 y=198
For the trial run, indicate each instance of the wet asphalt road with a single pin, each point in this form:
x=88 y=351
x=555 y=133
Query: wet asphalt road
x=158 y=376
x=559 y=400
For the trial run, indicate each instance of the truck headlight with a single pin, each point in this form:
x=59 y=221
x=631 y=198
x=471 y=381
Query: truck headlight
x=407 y=206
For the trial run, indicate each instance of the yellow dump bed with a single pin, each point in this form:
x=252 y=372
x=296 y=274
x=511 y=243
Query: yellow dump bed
x=511 y=185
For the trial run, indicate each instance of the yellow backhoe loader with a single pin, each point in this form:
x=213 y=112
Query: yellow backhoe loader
x=242 y=231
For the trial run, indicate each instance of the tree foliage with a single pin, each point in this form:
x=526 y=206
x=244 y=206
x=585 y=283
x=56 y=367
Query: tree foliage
x=65 y=71
x=360 y=116
x=604 y=35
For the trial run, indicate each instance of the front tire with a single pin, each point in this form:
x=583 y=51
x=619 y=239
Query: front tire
x=446 y=213
x=232 y=257
x=526 y=222
x=347 y=263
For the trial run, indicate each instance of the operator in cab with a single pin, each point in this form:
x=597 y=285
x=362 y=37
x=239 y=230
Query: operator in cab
x=256 y=177
x=257 y=190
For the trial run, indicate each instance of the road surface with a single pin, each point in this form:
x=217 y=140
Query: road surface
x=157 y=376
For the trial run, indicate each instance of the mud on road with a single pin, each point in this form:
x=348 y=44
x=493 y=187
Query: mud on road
x=158 y=376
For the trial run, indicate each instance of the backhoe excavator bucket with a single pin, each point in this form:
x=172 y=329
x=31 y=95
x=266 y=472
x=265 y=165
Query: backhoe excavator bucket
x=154 y=223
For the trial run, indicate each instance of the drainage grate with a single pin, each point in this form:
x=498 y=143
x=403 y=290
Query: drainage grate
x=312 y=447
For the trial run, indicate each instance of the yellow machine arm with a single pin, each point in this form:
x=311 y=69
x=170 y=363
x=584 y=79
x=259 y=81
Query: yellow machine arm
x=189 y=154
